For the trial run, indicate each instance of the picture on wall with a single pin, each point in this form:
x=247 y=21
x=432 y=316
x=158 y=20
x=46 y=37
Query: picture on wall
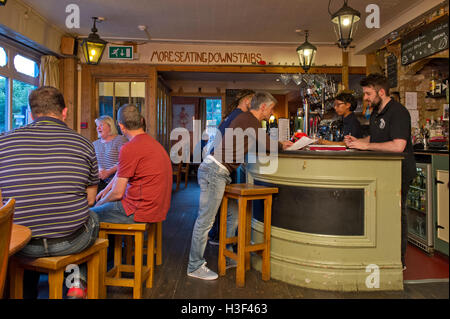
x=183 y=115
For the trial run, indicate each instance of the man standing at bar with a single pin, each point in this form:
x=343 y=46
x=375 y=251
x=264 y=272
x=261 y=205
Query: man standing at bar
x=214 y=175
x=390 y=131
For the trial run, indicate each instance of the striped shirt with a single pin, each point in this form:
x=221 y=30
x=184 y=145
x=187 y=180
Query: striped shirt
x=108 y=153
x=46 y=167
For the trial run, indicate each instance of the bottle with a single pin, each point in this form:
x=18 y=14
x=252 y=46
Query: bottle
x=438 y=88
x=422 y=201
x=433 y=82
x=432 y=128
x=438 y=125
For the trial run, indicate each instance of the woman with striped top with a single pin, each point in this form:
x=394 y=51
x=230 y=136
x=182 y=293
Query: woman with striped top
x=107 y=149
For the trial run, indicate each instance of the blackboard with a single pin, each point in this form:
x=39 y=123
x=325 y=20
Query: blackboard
x=424 y=42
x=392 y=70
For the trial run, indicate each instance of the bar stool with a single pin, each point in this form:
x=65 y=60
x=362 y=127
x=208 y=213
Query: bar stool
x=95 y=256
x=141 y=273
x=245 y=193
x=129 y=252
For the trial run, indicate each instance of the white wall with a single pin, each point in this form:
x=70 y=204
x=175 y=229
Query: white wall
x=195 y=54
x=22 y=19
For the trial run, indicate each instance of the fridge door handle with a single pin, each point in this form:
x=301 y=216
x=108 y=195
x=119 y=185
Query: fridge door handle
x=436 y=181
x=439 y=226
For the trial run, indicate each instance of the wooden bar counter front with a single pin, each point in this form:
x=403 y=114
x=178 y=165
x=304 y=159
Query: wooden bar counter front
x=336 y=220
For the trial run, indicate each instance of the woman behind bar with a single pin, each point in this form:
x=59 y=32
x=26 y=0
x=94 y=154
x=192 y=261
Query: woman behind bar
x=107 y=149
x=344 y=105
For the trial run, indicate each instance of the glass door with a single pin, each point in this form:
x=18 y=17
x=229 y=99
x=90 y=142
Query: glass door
x=419 y=208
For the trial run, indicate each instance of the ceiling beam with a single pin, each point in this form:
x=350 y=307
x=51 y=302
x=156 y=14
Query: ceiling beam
x=256 y=69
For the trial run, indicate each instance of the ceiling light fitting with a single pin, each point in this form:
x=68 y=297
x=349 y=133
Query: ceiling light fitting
x=306 y=53
x=93 y=46
x=345 y=22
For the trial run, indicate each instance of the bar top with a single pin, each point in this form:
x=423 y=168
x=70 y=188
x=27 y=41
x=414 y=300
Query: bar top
x=348 y=154
x=431 y=152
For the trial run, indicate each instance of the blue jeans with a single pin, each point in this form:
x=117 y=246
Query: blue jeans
x=212 y=180
x=113 y=212
x=75 y=243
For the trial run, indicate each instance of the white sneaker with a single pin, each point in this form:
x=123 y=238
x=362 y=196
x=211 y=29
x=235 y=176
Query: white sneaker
x=203 y=273
x=230 y=263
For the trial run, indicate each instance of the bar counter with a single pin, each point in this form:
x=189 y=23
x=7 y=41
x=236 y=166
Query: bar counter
x=335 y=221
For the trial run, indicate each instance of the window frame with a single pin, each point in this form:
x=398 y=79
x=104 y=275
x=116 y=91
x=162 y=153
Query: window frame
x=10 y=73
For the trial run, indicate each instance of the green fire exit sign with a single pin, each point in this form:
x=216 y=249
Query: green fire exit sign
x=120 y=52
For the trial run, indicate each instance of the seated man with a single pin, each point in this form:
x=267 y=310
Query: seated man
x=141 y=189
x=52 y=173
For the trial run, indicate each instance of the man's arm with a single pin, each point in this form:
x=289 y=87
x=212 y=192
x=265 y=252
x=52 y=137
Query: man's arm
x=91 y=193
x=116 y=191
x=397 y=145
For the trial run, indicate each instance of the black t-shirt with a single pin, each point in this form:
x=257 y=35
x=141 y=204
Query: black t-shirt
x=352 y=126
x=394 y=122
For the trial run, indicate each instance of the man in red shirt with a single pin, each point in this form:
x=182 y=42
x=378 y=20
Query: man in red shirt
x=142 y=187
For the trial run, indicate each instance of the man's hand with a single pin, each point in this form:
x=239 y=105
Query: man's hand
x=357 y=143
x=100 y=195
x=286 y=144
x=103 y=174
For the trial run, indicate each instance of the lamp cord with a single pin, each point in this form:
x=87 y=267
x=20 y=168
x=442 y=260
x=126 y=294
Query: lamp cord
x=329 y=12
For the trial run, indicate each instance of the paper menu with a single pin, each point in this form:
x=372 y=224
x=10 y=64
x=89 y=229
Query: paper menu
x=411 y=100
x=301 y=143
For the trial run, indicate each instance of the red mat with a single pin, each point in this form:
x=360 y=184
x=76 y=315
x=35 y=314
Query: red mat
x=420 y=265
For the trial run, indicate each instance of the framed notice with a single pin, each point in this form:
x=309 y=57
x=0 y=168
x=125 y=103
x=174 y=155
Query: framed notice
x=183 y=115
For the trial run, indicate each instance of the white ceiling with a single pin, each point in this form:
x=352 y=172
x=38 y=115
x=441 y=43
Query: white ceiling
x=243 y=21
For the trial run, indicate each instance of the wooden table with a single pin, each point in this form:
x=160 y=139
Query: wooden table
x=20 y=236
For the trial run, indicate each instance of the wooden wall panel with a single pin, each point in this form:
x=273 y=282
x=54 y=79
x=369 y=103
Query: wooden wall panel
x=68 y=86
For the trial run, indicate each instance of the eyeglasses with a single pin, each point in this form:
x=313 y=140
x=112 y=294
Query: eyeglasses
x=338 y=104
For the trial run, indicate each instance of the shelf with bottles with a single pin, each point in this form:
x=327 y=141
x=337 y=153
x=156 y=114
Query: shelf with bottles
x=417 y=188
x=417 y=210
x=416 y=200
x=438 y=85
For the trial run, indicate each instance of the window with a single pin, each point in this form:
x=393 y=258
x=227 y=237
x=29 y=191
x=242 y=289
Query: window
x=3 y=100
x=3 y=58
x=19 y=75
x=213 y=116
x=26 y=66
x=112 y=95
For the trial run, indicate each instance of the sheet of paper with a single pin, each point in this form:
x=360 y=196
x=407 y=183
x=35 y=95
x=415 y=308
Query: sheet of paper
x=411 y=100
x=301 y=143
x=283 y=129
x=414 y=118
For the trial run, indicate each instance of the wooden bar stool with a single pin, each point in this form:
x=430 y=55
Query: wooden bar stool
x=141 y=273
x=245 y=193
x=129 y=252
x=95 y=256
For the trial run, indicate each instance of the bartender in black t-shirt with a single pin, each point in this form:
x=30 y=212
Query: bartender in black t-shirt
x=390 y=131
x=344 y=105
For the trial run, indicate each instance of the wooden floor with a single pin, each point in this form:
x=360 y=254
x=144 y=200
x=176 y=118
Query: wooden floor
x=171 y=281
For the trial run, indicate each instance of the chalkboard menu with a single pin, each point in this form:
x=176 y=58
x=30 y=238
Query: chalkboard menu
x=392 y=70
x=424 y=42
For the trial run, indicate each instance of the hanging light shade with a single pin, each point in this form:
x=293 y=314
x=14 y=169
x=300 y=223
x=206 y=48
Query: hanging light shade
x=3 y=2
x=306 y=53
x=345 y=23
x=93 y=47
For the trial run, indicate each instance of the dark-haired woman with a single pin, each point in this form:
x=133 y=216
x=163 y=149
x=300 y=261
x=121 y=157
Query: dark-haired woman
x=344 y=105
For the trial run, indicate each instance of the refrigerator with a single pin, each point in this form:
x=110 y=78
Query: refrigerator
x=419 y=205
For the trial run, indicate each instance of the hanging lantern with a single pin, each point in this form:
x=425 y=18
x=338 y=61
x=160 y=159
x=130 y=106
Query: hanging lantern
x=93 y=47
x=306 y=53
x=345 y=23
